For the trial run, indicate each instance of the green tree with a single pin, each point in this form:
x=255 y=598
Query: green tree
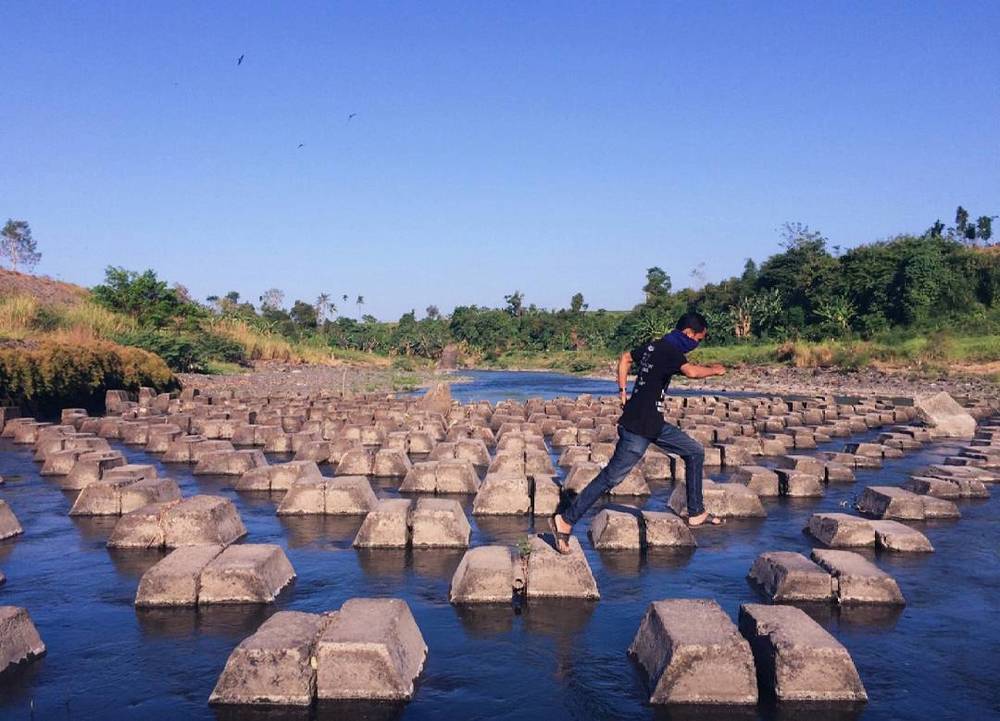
x=18 y=246
x=304 y=315
x=515 y=303
x=142 y=296
x=657 y=288
x=576 y=304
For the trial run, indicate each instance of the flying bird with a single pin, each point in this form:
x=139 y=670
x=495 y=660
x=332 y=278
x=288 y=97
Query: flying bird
x=302 y=145
x=239 y=61
x=349 y=117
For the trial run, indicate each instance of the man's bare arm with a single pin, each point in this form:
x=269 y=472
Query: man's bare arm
x=624 y=364
x=696 y=371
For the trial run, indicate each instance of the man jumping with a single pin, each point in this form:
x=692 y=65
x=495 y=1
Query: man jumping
x=642 y=423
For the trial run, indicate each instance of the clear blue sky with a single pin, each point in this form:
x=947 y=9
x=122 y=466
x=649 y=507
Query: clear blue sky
x=547 y=147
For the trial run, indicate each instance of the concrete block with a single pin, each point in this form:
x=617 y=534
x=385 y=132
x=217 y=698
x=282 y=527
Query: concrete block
x=386 y=526
x=796 y=659
x=786 y=576
x=371 y=649
x=439 y=523
x=274 y=666
x=858 y=580
x=692 y=653
x=484 y=575
x=175 y=580
x=551 y=574
x=245 y=573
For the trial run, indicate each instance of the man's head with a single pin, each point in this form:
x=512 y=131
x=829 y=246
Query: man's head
x=693 y=325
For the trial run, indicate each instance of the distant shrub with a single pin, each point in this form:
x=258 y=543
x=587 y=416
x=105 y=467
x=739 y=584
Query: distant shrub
x=188 y=352
x=49 y=375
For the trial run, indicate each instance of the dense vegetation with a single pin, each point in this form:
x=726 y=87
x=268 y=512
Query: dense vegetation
x=945 y=279
x=910 y=296
x=43 y=377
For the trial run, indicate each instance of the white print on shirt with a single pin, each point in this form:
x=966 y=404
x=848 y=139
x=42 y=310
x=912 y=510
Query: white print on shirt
x=645 y=367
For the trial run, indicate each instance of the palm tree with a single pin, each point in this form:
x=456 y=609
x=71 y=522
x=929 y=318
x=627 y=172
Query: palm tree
x=360 y=302
x=324 y=306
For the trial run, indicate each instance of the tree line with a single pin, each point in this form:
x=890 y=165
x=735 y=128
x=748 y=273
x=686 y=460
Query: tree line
x=946 y=276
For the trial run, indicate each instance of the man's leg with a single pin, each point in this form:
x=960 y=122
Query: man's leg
x=628 y=452
x=674 y=440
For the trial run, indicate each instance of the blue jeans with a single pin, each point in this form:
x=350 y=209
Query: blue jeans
x=628 y=452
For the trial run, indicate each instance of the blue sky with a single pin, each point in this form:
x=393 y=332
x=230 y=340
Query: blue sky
x=547 y=147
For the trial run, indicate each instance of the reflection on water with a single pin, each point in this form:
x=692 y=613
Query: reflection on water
x=235 y=621
x=318 y=531
x=484 y=620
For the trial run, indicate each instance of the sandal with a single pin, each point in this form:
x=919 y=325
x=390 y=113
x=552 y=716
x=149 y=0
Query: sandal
x=560 y=537
x=710 y=520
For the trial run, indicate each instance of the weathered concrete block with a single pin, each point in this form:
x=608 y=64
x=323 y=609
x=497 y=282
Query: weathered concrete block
x=725 y=500
x=895 y=536
x=421 y=478
x=858 y=581
x=692 y=653
x=349 y=495
x=507 y=463
x=502 y=496
x=787 y=576
x=146 y=491
x=390 y=463
x=141 y=528
x=545 y=495
x=580 y=474
x=9 y=525
x=386 y=526
x=307 y=496
x=370 y=649
x=202 y=520
x=230 y=463
x=666 y=530
x=551 y=574
x=458 y=476
x=90 y=467
x=484 y=575
x=946 y=418
x=840 y=530
x=947 y=488
x=796 y=659
x=101 y=498
x=796 y=484
x=278 y=477
x=19 y=639
x=615 y=530
x=274 y=666
x=356 y=462
x=439 y=523
x=245 y=573
x=891 y=502
x=802 y=464
x=760 y=480
x=175 y=580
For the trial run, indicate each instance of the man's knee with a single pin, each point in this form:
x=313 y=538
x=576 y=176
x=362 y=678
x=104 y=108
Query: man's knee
x=696 y=453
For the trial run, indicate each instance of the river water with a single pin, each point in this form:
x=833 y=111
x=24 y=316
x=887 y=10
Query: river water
x=936 y=659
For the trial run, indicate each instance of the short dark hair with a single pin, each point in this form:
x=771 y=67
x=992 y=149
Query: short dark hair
x=695 y=321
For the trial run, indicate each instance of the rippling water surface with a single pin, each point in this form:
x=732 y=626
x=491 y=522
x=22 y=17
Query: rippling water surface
x=936 y=659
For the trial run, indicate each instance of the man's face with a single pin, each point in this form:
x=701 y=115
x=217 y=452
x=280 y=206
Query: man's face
x=699 y=336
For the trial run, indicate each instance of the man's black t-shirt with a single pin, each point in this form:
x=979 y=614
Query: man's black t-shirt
x=654 y=363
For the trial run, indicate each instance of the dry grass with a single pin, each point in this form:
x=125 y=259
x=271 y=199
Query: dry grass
x=24 y=316
x=17 y=313
x=263 y=346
